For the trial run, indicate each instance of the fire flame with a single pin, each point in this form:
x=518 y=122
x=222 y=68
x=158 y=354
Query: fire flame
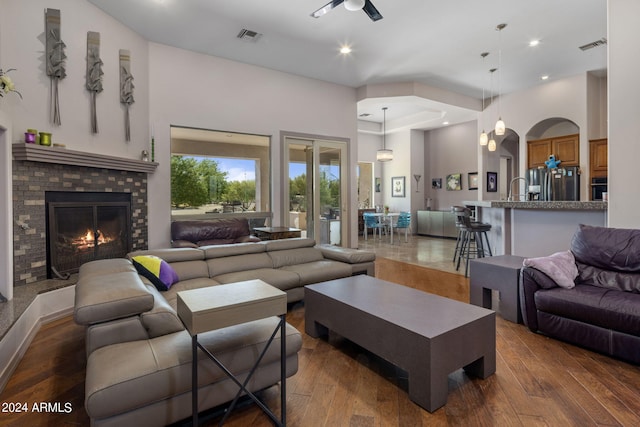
x=87 y=240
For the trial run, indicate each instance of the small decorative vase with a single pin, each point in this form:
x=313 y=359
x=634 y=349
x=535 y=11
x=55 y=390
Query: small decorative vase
x=30 y=138
x=45 y=139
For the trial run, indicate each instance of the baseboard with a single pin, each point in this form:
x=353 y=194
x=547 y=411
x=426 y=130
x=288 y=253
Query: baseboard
x=45 y=308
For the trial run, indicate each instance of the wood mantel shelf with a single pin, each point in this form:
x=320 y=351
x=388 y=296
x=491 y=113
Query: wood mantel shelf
x=59 y=155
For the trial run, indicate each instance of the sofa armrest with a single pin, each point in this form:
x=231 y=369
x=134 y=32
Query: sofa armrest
x=116 y=331
x=348 y=255
x=531 y=281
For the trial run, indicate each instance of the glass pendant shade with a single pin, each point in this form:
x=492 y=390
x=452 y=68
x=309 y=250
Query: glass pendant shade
x=384 y=155
x=492 y=145
x=353 y=5
x=484 y=138
x=500 y=127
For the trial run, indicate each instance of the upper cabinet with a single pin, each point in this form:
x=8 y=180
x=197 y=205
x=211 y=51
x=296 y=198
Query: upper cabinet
x=598 y=160
x=565 y=148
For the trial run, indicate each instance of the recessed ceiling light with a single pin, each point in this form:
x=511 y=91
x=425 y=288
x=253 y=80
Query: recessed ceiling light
x=533 y=43
x=345 y=50
x=545 y=77
x=445 y=123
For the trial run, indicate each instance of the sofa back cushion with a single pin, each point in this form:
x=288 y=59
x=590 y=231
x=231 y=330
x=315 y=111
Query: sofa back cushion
x=608 y=257
x=231 y=264
x=188 y=263
x=295 y=256
x=218 y=229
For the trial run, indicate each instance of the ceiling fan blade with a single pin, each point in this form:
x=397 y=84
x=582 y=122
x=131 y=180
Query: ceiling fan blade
x=371 y=11
x=326 y=8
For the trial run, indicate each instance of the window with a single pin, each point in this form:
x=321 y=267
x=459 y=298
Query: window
x=215 y=172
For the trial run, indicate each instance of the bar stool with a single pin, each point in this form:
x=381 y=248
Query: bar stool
x=456 y=252
x=472 y=244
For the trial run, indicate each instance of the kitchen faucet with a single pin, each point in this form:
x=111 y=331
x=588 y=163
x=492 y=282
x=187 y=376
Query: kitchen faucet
x=526 y=188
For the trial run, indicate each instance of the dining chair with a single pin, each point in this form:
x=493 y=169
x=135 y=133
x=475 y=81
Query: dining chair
x=371 y=221
x=404 y=222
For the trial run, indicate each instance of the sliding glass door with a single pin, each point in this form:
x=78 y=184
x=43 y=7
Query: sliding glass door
x=317 y=188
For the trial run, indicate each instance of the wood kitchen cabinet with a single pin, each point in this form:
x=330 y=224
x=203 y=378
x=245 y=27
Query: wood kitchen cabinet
x=598 y=158
x=565 y=148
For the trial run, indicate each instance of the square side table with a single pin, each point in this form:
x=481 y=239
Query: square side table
x=500 y=273
x=216 y=307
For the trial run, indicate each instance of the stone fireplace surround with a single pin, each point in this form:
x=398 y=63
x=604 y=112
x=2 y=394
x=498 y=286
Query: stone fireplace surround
x=39 y=169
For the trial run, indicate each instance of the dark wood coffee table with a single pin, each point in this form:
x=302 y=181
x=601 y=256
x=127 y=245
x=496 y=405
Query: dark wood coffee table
x=276 y=233
x=426 y=335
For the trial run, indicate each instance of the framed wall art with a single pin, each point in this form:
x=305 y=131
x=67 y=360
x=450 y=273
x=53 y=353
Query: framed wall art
x=453 y=182
x=397 y=186
x=492 y=182
x=436 y=183
x=473 y=180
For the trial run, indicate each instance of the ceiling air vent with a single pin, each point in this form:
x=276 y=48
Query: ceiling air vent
x=596 y=43
x=248 y=35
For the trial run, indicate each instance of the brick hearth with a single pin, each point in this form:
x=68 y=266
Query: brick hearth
x=30 y=182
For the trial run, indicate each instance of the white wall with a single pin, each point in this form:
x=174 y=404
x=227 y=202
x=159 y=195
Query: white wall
x=196 y=90
x=449 y=150
x=368 y=144
x=22 y=44
x=624 y=111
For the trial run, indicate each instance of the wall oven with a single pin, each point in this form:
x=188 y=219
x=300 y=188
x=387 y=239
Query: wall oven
x=598 y=186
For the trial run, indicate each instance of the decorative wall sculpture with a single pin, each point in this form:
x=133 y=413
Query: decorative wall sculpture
x=126 y=89
x=55 y=58
x=94 y=74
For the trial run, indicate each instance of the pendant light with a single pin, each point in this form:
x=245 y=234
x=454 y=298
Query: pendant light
x=500 y=126
x=484 y=138
x=491 y=145
x=384 y=155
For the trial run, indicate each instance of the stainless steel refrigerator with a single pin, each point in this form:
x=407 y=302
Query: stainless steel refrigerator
x=555 y=184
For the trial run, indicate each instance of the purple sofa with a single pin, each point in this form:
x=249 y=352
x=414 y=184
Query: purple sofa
x=602 y=311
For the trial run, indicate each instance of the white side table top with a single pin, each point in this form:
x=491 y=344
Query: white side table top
x=219 y=306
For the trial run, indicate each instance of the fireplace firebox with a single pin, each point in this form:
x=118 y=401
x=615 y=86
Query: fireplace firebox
x=85 y=226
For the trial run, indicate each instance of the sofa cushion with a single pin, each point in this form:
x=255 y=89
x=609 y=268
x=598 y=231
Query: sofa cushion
x=297 y=256
x=104 y=266
x=319 y=271
x=348 y=255
x=280 y=279
x=156 y=369
x=111 y=296
x=281 y=244
x=210 y=231
x=615 y=249
x=230 y=250
x=619 y=311
x=230 y=264
x=184 y=285
x=157 y=270
x=162 y=319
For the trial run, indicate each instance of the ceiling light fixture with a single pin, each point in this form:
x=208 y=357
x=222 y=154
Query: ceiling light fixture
x=353 y=5
x=534 y=43
x=500 y=126
x=345 y=50
x=491 y=144
x=545 y=77
x=484 y=138
x=384 y=155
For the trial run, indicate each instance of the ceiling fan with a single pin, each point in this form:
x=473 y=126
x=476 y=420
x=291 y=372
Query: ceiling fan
x=351 y=5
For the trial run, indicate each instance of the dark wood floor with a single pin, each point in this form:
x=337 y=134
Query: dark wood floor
x=538 y=381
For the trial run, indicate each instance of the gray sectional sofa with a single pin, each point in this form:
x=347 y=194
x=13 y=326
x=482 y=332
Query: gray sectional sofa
x=138 y=352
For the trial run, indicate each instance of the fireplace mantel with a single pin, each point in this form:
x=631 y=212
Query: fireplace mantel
x=58 y=155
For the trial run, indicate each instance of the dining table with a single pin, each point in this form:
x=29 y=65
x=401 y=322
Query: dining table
x=387 y=218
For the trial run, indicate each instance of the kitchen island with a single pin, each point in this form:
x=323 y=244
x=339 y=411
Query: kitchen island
x=536 y=228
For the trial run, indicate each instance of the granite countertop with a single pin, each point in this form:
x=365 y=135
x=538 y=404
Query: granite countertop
x=559 y=205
